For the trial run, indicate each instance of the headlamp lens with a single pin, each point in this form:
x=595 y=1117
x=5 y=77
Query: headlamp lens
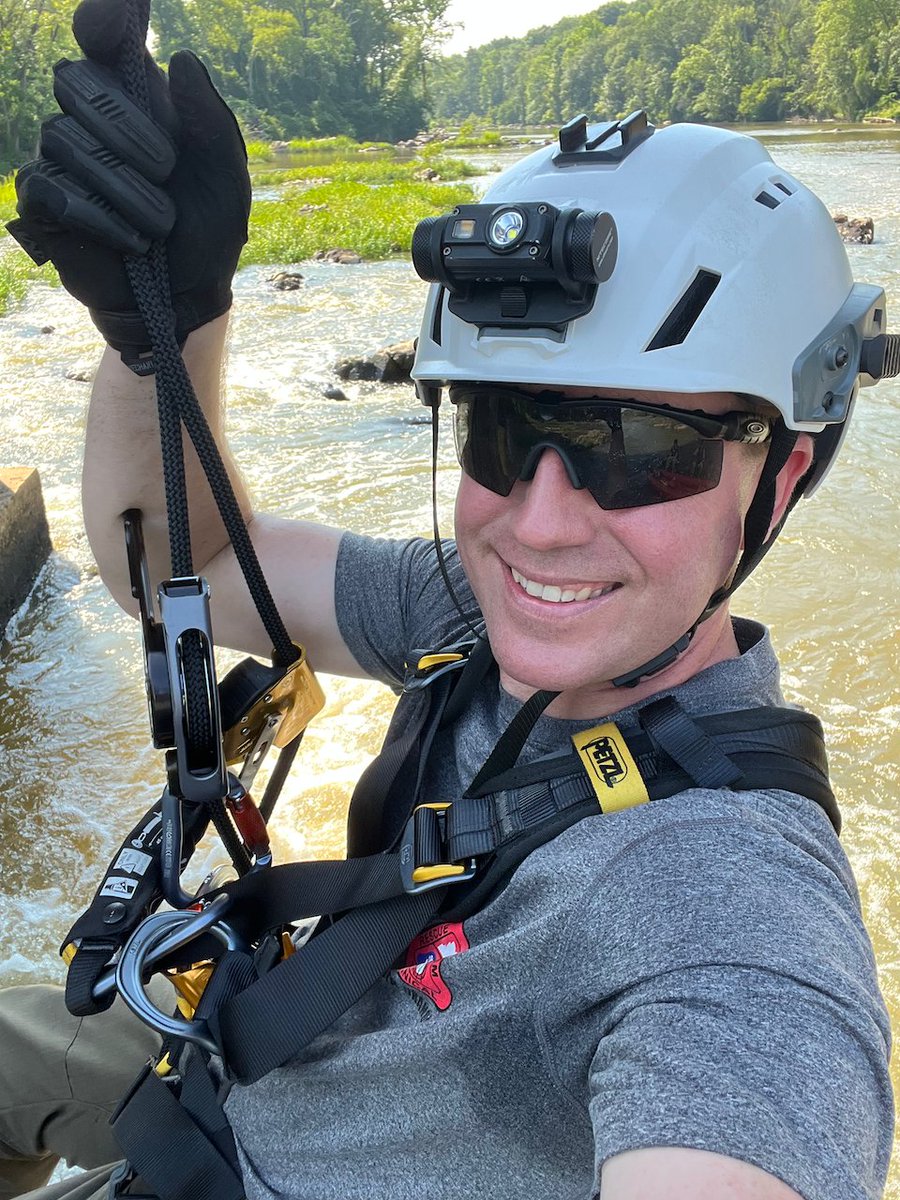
x=627 y=455
x=505 y=229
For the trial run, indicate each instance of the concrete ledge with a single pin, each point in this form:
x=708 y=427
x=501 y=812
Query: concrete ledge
x=24 y=536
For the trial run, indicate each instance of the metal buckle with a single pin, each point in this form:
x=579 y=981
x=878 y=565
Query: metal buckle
x=422 y=878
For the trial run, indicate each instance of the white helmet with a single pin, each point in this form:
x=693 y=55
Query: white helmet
x=720 y=272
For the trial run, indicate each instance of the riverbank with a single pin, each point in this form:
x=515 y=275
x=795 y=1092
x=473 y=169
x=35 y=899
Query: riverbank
x=369 y=205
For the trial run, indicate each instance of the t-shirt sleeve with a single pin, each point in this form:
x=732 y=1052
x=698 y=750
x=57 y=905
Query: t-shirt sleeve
x=740 y=1011
x=391 y=600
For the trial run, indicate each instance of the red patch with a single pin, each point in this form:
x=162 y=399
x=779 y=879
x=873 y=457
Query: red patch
x=424 y=957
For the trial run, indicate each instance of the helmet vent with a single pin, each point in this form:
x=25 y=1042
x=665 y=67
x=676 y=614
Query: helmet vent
x=768 y=200
x=436 y=320
x=681 y=320
x=772 y=201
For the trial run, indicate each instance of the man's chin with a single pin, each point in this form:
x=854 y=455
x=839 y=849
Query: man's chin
x=523 y=673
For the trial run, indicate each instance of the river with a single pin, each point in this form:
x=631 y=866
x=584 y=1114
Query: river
x=74 y=742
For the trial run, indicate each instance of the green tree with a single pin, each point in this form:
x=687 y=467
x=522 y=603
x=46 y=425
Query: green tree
x=856 y=54
x=34 y=34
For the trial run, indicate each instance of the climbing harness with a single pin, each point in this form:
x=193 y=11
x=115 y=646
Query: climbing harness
x=413 y=860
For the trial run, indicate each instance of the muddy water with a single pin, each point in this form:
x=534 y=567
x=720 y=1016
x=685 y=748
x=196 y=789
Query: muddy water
x=76 y=762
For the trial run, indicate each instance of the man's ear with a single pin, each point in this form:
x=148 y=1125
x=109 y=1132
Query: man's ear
x=798 y=463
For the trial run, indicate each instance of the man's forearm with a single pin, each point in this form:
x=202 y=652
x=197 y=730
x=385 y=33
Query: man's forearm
x=123 y=465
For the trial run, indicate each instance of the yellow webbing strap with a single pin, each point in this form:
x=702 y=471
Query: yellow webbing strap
x=612 y=771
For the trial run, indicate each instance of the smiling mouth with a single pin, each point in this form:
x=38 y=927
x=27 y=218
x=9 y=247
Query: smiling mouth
x=560 y=594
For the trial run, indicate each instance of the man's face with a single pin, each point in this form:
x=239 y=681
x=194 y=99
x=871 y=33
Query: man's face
x=640 y=576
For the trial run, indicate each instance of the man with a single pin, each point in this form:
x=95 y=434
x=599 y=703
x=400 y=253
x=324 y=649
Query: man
x=673 y=1000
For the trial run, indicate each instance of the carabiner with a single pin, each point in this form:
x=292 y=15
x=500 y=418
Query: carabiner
x=153 y=940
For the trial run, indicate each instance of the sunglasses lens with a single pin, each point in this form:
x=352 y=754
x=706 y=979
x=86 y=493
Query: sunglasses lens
x=625 y=457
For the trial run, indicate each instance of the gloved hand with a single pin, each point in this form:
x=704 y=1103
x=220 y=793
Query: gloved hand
x=109 y=180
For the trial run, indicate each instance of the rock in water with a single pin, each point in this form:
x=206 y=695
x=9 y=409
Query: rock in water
x=81 y=372
x=392 y=364
x=24 y=536
x=340 y=255
x=860 y=230
x=286 y=281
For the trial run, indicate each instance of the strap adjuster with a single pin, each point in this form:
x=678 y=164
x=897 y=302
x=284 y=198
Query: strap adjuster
x=422 y=851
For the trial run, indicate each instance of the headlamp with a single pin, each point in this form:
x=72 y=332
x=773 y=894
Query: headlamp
x=517 y=265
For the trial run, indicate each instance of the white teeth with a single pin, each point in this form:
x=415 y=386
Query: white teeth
x=555 y=594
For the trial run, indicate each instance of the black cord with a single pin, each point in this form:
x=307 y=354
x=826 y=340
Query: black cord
x=178 y=405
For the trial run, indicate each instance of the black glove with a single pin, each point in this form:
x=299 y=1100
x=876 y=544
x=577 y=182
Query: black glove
x=110 y=180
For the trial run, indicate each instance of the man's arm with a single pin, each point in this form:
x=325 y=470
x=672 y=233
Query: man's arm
x=676 y=1173
x=123 y=469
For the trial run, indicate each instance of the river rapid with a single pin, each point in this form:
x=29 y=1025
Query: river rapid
x=74 y=742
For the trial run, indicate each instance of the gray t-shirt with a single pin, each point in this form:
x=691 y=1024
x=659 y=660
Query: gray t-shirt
x=692 y=972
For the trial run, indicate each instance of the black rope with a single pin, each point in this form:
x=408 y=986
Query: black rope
x=150 y=283
x=178 y=406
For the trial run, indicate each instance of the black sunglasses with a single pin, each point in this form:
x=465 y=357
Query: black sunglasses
x=625 y=453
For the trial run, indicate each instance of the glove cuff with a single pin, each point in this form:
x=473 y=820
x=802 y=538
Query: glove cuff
x=127 y=333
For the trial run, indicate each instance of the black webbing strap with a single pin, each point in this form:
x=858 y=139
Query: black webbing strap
x=687 y=745
x=480 y=661
x=365 y=820
x=122 y=900
x=158 y=1136
x=280 y=1014
x=89 y=963
x=265 y=901
x=505 y=754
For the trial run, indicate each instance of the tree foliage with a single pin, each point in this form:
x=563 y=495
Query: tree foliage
x=370 y=69
x=708 y=60
x=290 y=68
x=300 y=68
x=34 y=34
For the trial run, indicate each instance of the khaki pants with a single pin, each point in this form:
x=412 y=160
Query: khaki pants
x=60 y=1079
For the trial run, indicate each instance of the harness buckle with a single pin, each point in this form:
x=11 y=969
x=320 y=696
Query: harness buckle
x=423 y=864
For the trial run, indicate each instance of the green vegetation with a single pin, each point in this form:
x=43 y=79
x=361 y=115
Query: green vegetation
x=372 y=171
x=472 y=136
x=16 y=272
x=16 y=268
x=263 y=151
x=7 y=199
x=708 y=60
x=368 y=206
x=376 y=222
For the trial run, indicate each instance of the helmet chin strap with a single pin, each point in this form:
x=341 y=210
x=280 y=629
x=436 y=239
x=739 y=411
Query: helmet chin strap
x=756 y=545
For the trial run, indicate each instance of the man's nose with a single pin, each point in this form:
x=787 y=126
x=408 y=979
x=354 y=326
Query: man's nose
x=550 y=511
